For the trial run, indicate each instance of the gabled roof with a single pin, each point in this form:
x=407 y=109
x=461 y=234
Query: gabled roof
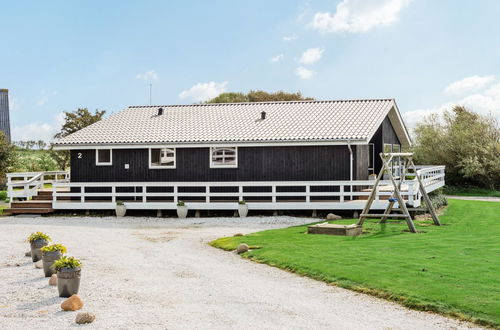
x=295 y=121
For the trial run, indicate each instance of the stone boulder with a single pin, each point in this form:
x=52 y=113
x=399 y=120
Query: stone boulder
x=53 y=280
x=27 y=254
x=242 y=248
x=85 y=317
x=73 y=303
x=331 y=216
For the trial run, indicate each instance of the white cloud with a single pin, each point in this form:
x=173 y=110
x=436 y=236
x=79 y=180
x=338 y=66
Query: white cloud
x=38 y=131
x=312 y=55
x=468 y=84
x=14 y=104
x=304 y=73
x=204 y=91
x=359 y=15
x=42 y=100
x=276 y=58
x=148 y=75
x=485 y=102
x=290 y=37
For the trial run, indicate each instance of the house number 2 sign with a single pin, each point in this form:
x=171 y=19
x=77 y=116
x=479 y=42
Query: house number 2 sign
x=80 y=155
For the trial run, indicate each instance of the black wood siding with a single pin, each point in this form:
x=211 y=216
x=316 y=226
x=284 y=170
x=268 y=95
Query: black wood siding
x=297 y=163
x=384 y=134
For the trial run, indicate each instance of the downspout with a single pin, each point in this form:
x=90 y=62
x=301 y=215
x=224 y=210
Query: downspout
x=351 y=160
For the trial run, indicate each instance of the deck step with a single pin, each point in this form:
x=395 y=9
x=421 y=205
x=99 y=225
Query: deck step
x=31 y=205
x=28 y=210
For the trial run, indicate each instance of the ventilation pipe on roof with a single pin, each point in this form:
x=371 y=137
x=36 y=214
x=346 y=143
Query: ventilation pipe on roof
x=263 y=115
x=160 y=111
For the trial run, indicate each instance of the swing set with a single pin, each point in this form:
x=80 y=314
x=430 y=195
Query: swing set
x=396 y=196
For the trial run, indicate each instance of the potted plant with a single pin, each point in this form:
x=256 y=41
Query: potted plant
x=242 y=208
x=120 y=209
x=182 y=209
x=68 y=275
x=37 y=241
x=51 y=253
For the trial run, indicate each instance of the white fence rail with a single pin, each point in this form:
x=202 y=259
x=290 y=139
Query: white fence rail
x=268 y=195
x=27 y=184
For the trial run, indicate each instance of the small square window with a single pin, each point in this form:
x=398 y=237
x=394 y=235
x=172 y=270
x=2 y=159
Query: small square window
x=162 y=158
x=104 y=157
x=224 y=157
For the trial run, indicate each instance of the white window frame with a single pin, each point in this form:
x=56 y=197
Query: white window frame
x=162 y=166
x=212 y=165
x=98 y=163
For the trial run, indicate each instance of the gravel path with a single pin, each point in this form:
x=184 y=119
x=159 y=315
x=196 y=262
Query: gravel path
x=149 y=273
x=475 y=198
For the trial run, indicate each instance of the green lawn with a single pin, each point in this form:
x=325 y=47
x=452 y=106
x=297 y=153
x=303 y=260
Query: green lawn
x=453 y=269
x=461 y=191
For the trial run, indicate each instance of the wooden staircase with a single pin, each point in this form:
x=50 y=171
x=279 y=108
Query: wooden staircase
x=40 y=204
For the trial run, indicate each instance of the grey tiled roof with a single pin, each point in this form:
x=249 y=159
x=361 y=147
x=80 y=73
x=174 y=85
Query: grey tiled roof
x=240 y=122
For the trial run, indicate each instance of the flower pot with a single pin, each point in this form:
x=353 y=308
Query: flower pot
x=36 y=245
x=48 y=260
x=68 y=281
x=242 y=210
x=120 y=210
x=182 y=211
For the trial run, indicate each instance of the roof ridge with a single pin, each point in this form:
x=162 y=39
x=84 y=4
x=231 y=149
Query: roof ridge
x=255 y=103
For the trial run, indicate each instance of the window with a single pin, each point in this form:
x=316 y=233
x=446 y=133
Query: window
x=162 y=158
x=224 y=157
x=371 y=158
x=103 y=157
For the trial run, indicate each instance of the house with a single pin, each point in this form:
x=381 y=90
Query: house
x=274 y=155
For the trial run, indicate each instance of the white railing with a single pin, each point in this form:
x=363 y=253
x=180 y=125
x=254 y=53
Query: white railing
x=269 y=195
x=27 y=184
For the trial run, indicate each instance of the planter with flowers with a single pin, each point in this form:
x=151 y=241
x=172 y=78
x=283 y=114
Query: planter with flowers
x=68 y=275
x=182 y=209
x=37 y=241
x=51 y=253
x=242 y=208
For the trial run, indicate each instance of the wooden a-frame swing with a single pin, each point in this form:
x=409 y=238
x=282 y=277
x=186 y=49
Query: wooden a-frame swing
x=396 y=196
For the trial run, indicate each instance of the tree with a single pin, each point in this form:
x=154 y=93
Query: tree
x=73 y=122
x=6 y=156
x=258 y=96
x=466 y=142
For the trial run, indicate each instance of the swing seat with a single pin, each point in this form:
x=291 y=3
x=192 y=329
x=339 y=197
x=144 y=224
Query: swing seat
x=393 y=200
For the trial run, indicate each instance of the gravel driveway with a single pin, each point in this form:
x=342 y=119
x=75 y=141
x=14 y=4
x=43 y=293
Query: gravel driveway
x=149 y=273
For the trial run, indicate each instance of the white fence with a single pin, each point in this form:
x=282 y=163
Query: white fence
x=269 y=195
x=27 y=184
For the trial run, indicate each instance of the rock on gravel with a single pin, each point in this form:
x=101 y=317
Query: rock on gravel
x=73 y=303
x=39 y=264
x=331 y=216
x=85 y=317
x=53 y=280
x=27 y=254
x=242 y=248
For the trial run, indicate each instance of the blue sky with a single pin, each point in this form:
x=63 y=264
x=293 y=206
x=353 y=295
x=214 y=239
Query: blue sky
x=59 y=55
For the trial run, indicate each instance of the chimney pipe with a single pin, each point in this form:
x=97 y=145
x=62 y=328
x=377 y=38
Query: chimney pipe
x=263 y=115
x=160 y=111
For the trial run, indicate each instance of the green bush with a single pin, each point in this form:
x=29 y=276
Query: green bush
x=54 y=247
x=466 y=142
x=67 y=262
x=38 y=235
x=3 y=195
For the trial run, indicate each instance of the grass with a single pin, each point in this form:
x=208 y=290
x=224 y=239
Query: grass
x=471 y=191
x=453 y=269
